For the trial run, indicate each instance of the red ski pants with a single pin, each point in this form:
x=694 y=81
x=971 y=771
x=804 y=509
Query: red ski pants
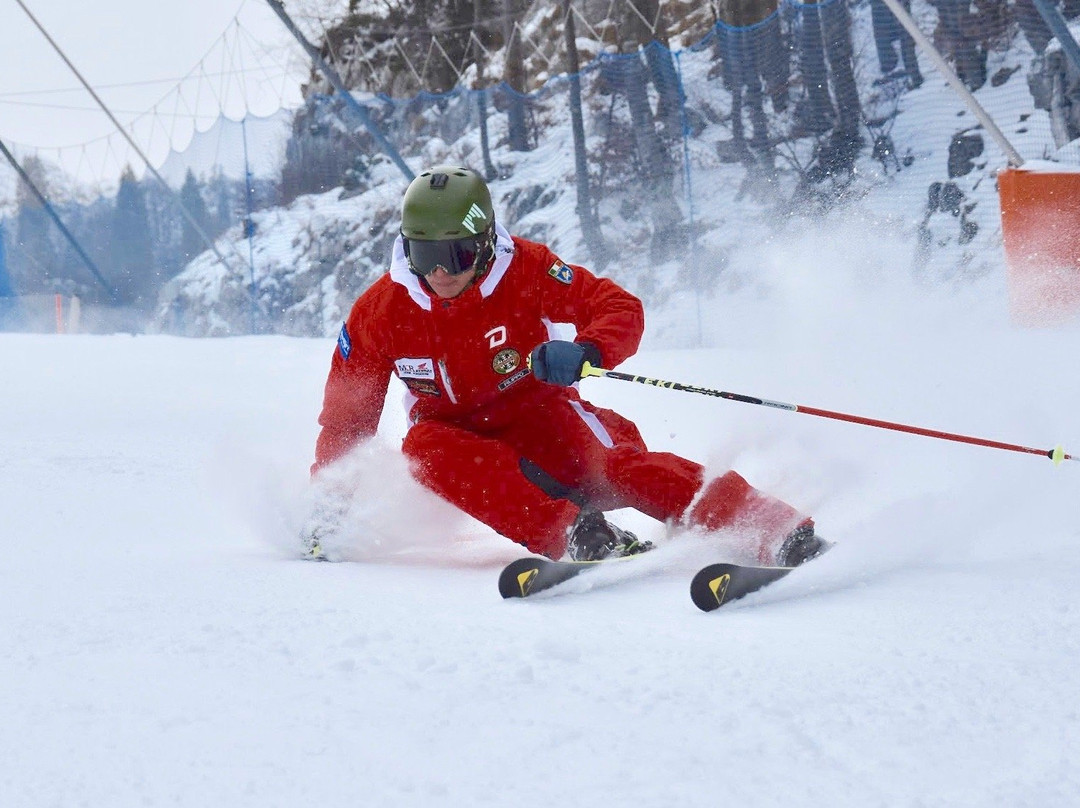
x=476 y=466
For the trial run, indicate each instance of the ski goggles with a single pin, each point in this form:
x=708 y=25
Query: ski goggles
x=455 y=256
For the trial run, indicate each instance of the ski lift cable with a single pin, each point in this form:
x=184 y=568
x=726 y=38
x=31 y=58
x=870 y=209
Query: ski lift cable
x=120 y=85
x=198 y=72
x=274 y=67
x=183 y=209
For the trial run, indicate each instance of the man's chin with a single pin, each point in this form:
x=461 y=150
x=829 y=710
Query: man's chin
x=445 y=294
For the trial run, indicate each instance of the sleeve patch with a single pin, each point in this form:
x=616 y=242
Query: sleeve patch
x=561 y=272
x=344 y=344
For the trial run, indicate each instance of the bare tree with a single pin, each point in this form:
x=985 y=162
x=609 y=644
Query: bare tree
x=590 y=225
x=655 y=166
x=514 y=76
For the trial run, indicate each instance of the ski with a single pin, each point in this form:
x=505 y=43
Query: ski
x=527 y=576
x=711 y=587
x=717 y=584
x=530 y=576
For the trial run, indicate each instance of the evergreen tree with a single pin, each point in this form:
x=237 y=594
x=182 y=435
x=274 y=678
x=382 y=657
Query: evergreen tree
x=166 y=229
x=135 y=276
x=191 y=243
x=37 y=265
x=6 y=289
x=655 y=165
x=221 y=196
x=72 y=274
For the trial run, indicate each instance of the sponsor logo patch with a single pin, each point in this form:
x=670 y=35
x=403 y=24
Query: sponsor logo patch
x=506 y=361
x=424 y=387
x=561 y=272
x=415 y=369
x=517 y=377
x=344 y=344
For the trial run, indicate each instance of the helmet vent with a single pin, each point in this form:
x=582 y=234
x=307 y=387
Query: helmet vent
x=439 y=180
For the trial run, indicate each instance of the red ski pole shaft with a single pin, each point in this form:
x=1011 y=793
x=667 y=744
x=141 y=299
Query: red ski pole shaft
x=1056 y=454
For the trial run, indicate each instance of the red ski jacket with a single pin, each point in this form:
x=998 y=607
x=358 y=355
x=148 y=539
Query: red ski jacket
x=464 y=359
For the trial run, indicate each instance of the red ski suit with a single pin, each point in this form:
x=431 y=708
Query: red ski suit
x=475 y=410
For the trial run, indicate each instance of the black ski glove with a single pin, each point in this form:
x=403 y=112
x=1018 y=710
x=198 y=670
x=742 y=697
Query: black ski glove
x=560 y=362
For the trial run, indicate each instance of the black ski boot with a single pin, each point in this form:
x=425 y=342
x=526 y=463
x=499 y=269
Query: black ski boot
x=593 y=538
x=801 y=545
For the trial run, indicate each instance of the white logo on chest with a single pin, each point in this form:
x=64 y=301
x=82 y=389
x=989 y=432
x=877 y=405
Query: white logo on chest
x=415 y=368
x=496 y=336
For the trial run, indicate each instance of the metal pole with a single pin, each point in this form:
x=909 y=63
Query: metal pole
x=9 y=303
x=249 y=223
x=1060 y=30
x=906 y=20
x=56 y=220
x=339 y=85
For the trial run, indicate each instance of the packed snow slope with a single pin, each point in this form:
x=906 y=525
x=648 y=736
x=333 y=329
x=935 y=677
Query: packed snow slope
x=161 y=643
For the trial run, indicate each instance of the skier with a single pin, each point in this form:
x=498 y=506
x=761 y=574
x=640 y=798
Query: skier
x=496 y=424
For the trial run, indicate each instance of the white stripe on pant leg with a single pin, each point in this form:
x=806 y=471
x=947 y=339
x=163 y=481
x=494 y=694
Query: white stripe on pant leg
x=594 y=424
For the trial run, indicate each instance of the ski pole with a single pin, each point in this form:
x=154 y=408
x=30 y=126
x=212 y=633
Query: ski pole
x=1056 y=454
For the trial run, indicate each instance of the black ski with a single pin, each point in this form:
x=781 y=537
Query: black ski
x=717 y=584
x=527 y=576
x=711 y=587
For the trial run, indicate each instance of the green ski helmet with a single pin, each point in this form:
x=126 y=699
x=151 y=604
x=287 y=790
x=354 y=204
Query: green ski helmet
x=447 y=220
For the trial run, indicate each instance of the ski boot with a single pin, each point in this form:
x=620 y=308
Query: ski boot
x=312 y=547
x=593 y=538
x=801 y=545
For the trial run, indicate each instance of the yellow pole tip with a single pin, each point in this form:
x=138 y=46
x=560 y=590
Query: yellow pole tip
x=1058 y=455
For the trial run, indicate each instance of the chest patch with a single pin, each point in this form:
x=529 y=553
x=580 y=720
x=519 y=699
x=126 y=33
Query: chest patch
x=561 y=272
x=415 y=369
x=423 y=387
x=506 y=361
x=517 y=377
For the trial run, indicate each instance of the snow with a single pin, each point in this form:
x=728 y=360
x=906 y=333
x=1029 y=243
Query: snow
x=1049 y=167
x=160 y=643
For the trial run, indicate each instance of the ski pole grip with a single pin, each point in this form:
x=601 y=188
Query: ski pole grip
x=587 y=368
